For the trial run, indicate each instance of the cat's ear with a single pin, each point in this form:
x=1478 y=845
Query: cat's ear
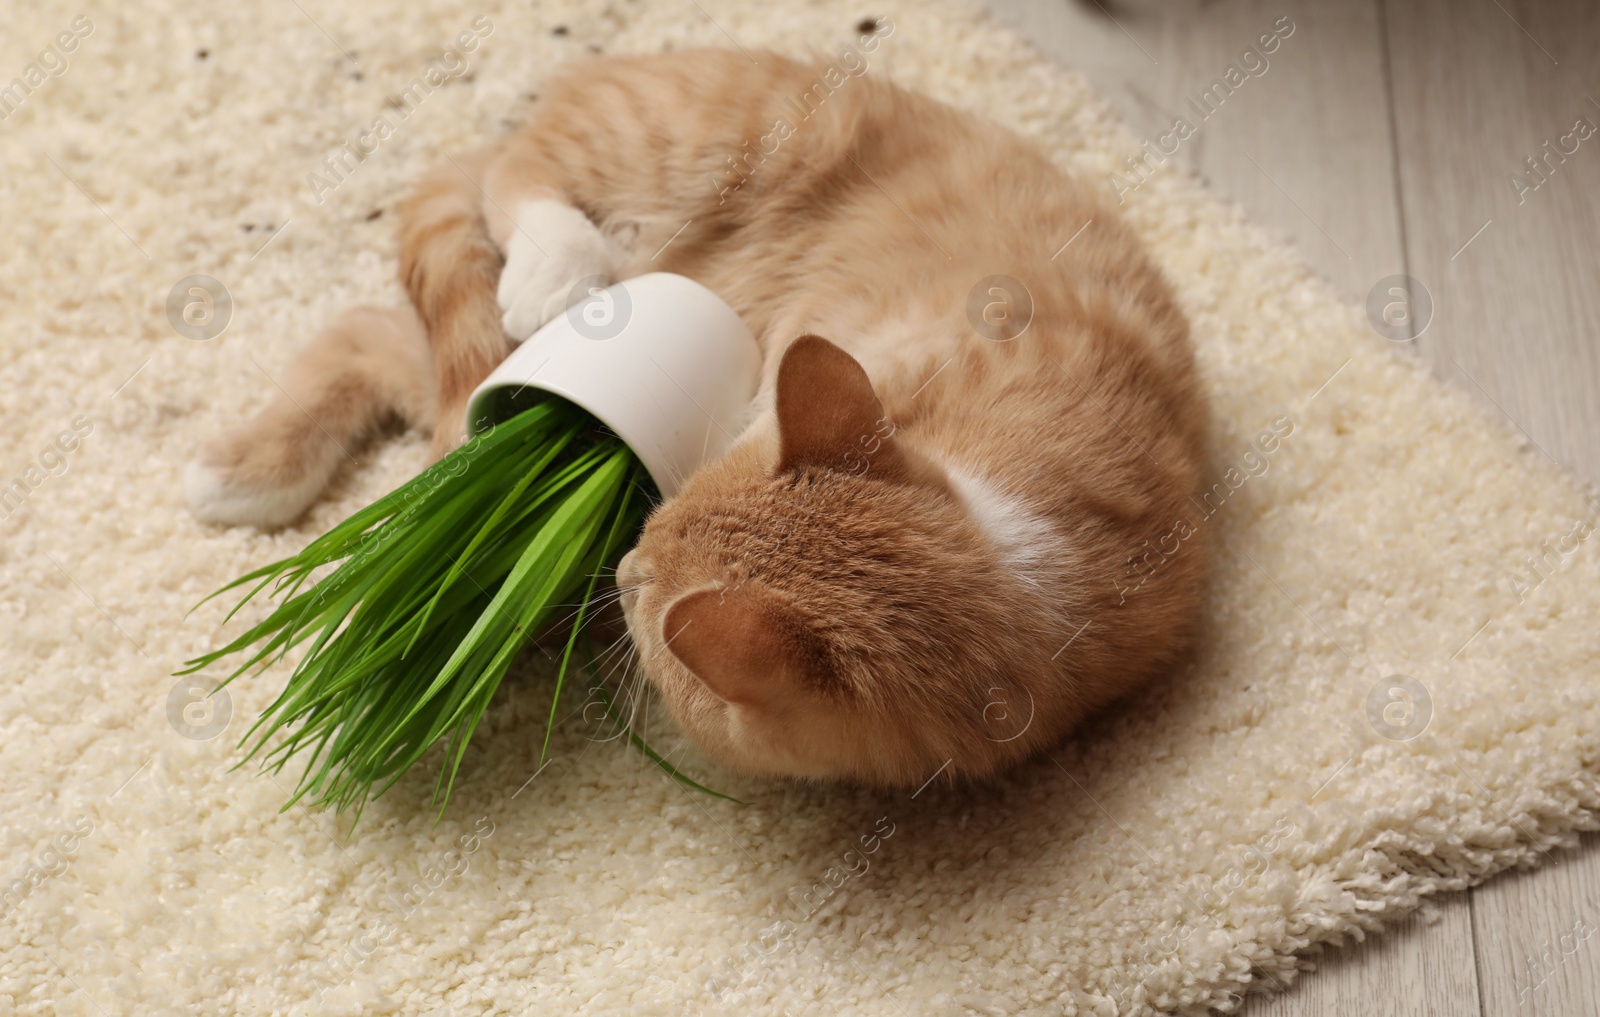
x=743 y=643
x=829 y=417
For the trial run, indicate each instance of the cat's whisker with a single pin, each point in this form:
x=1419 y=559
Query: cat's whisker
x=624 y=666
x=591 y=608
x=627 y=692
x=610 y=648
x=622 y=642
x=649 y=495
x=678 y=476
x=607 y=596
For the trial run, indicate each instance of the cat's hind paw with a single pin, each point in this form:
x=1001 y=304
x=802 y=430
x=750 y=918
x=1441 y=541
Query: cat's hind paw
x=240 y=496
x=552 y=249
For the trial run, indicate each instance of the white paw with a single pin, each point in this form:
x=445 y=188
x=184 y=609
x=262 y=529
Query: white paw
x=553 y=248
x=214 y=498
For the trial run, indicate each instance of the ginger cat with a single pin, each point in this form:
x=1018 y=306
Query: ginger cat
x=915 y=559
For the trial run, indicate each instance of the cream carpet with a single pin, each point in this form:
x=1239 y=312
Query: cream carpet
x=1175 y=855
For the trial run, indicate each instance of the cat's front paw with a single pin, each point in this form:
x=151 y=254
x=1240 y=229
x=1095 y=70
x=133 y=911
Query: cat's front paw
x=552 y=249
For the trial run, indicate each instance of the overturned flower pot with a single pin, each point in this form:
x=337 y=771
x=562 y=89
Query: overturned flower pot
x=436 y=587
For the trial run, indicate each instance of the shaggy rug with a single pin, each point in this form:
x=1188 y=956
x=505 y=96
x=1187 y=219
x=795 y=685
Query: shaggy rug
x=1396 y=696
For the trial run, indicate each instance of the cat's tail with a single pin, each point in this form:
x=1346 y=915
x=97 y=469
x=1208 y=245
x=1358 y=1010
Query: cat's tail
x=370 y=365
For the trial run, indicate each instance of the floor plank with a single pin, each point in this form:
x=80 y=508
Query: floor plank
x=1517 y=311
x=1417 y=969
x=1538 y=935
x=1305 y=147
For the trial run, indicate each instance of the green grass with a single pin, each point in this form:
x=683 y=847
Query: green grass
x=435 y=589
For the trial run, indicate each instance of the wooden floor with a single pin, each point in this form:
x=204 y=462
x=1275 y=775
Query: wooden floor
x=1382 y=139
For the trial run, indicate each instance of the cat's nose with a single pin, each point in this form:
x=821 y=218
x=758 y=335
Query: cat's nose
x=631 y=574
x=628 y=571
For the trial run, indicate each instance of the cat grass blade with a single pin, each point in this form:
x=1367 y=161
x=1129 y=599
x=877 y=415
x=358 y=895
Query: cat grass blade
x=427 y=596
x=655 y=757
x=577 y=625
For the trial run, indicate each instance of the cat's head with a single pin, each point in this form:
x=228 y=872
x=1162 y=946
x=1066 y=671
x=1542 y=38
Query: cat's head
x=819 y=601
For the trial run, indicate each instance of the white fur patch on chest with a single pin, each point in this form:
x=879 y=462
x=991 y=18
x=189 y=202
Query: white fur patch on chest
x=1025 y=540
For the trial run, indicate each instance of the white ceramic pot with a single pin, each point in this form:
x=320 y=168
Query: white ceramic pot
x=659 y=359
